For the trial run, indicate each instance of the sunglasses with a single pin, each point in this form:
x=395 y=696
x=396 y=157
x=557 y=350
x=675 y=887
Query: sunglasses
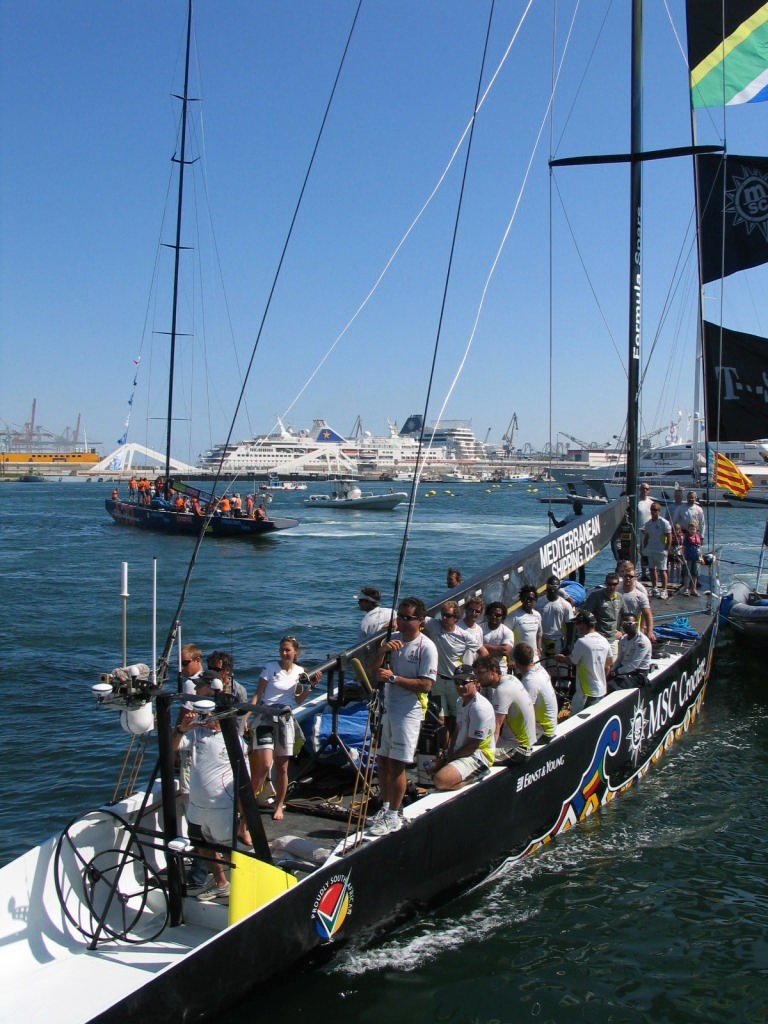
x=188 y=661
x=448 y=615
x=407 y=618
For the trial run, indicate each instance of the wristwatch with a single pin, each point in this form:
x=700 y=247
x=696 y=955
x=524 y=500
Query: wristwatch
x=392 y=678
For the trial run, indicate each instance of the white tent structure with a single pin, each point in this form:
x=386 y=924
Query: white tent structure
x=129 y=456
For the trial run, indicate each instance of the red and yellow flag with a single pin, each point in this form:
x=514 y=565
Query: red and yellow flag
x=724 y=473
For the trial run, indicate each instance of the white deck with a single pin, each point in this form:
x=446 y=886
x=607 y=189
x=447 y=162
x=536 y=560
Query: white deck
x=48 y=972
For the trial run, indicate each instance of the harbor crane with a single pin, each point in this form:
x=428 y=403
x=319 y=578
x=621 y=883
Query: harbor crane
x=508 y=437
x=577 y=440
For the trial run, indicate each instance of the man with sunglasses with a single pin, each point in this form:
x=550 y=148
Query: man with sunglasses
x=406 y=665
x=455 y=646
x=635 y=598
x=472 y=750
x=191 y=667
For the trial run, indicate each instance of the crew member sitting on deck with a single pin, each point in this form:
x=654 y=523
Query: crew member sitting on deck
x=471 y=752
x=634 y=661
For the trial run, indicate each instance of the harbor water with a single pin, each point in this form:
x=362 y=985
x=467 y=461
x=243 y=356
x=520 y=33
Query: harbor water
x=654 y=910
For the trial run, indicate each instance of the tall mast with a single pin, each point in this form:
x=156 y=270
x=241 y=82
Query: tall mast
x=635 y=264
x=177 y=246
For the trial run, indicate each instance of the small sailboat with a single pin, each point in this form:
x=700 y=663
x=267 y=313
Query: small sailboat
x=171 y=506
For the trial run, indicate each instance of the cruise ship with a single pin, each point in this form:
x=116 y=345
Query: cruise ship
x=322 y=452
x=319 y=452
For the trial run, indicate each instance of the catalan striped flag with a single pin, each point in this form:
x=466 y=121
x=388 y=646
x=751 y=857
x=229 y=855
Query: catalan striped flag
x=728 y=51
x=724 y=473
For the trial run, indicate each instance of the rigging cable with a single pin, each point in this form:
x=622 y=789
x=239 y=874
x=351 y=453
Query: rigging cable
x=163 y=664
x=409 y=230
x=438 y=334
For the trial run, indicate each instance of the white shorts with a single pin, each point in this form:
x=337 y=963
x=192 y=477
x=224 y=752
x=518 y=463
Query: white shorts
x=657 y=560
x=215 y=823
x=470 y=767
x=443 y=692
x=274 y=732
x=400 y=733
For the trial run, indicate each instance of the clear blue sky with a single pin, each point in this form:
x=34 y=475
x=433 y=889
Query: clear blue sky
x=88 y=126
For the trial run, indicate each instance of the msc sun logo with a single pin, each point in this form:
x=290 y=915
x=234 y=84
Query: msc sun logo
x=333 y=905
x=747 y=200
x=637 y=730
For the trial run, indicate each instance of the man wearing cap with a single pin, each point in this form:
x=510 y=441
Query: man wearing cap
x=211 y=790
x=471 y=752
x=592 y=657
x=375 y=618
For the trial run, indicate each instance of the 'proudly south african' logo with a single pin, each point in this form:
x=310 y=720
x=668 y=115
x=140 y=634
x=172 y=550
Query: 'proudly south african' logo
x=333 y=905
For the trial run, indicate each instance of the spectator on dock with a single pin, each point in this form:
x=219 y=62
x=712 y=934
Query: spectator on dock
x=656 y=534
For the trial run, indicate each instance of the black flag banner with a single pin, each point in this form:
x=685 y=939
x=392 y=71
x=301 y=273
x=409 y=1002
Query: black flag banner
x=736 y=384
x=733 y=214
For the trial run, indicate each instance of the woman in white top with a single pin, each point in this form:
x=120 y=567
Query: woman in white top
x=283 y=685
